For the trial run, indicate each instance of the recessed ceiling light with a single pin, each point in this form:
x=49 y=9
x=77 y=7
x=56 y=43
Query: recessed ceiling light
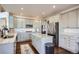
x=21 y=8
x=54 y=6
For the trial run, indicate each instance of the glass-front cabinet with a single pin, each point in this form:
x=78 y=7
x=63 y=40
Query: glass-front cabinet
x=11 y=21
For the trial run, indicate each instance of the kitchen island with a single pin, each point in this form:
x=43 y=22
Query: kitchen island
x=39 y=40
x=8 y=45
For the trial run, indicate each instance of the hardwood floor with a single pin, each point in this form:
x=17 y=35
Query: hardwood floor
x=61 y=51
x=56 y=49
x=18 y=50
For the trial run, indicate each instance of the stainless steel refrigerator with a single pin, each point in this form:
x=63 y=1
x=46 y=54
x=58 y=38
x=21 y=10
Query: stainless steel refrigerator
x=53 y=30
x=56 y=40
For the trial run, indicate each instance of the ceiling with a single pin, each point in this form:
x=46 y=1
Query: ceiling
x=36 y=10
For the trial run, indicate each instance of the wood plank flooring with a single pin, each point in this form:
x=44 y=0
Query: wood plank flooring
x=56 y=49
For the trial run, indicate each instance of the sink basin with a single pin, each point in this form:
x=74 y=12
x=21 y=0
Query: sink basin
x=8 y=37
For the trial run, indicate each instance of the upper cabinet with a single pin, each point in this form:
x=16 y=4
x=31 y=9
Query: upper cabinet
x=29 y=21
x=4 y=19
x=72 y=18
x=54 y=18
x=2 y=22
x=78 y=17
x=64 y=20
x=69 y=19
x=11 y=21
x=22 y=22
x=37 y=25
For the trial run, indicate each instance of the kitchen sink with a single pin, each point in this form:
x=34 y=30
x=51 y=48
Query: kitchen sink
x=8 y=37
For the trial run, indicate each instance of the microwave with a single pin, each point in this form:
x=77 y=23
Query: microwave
x=29 y=26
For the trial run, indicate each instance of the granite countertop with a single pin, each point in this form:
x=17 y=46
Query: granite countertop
x=8 y=40
x=74 y=36
x=71 y=34
x=41 y=35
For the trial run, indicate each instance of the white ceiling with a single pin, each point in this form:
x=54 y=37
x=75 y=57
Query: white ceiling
x=36 y=10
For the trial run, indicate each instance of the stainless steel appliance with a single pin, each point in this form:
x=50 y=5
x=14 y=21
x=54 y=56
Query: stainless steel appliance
x=53 y=30
x=56 y=34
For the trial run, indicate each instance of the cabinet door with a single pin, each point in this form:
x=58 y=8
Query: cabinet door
x=20 y=23
x=62 y=41
x=73 y=46
x=67 y=42
x=72 y=18
x=70 y=44
x=7 y=48
x=11 y=22
x=64 y=20
x=78 y=17
x=28 y=21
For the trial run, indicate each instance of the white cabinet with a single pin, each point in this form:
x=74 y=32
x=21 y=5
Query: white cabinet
x=69 y=19
x=78 y=17
x=23 y=36
x=38 y=41
x=20 y=23
x=65 y=42
x=69 y=43
x=62 y=41
x=2 y=22
x=37 y=25
x=11 y=22
x=72 y=18
x=64 y=20
x=28 y=21
x=8 y=48
x=74 y=44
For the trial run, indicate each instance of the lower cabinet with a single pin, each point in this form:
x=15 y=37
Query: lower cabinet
x=23 y=36
x=73 y=46
x=8 y=48
x=69 y=43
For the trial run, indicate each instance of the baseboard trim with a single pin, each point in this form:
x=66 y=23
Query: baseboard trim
x=68 y=51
